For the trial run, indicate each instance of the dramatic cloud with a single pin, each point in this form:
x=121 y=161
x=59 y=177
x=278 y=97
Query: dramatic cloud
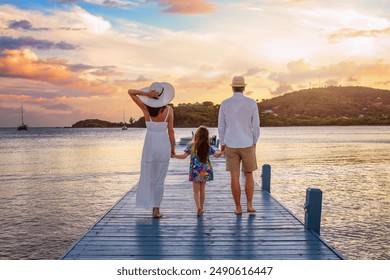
x=27 y=26
x=26 y=64
x=7 y=42
x=21 y=24
x=186 y=6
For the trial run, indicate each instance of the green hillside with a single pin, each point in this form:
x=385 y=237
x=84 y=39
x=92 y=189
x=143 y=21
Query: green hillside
x=328 y=106
x=95 y=123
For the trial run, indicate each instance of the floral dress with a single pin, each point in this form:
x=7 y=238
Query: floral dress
x=199 y=172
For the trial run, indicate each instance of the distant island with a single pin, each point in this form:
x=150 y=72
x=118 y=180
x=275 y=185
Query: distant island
x=309 y=107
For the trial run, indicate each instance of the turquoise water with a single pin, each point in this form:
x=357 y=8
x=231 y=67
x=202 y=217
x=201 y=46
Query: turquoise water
x=55 y=183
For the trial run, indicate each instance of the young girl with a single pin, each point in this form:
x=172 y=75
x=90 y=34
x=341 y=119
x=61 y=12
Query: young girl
x=201 y=169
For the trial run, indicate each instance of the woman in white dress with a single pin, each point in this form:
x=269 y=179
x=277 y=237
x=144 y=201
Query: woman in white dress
x=159 y=143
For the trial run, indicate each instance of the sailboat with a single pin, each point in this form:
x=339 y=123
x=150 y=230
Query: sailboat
x=124 y=127
x=23 y=126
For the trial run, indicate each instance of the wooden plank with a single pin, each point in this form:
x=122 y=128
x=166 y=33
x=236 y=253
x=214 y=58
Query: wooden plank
x=126 y=232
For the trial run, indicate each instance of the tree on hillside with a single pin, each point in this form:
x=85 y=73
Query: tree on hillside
x=207 y=103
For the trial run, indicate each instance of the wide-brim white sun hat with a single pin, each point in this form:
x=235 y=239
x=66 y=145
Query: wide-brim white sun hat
x=166 y=94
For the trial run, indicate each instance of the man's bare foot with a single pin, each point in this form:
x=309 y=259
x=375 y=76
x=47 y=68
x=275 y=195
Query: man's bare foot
x=251 y=210
x=238 y=211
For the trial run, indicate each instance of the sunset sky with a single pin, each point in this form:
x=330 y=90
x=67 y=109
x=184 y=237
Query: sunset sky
x=68 y=60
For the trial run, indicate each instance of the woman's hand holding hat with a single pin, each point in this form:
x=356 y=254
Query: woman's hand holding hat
x=165 y=94
x=152 y=94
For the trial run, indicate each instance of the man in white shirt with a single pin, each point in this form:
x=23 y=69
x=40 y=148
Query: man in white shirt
x=239 y=130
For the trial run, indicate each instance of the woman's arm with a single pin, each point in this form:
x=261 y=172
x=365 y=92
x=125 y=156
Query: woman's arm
x=134 y=95
x=171 y=132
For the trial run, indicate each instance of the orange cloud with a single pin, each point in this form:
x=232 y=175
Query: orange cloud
x=89 y=80
x=186 y=6
x=25 y=64
x=353 y=33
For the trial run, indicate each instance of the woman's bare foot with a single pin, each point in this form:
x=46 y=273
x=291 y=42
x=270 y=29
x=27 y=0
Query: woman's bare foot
x=199 y=212
x=156 y=213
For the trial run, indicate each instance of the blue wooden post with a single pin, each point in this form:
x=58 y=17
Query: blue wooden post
x=266 y=178
x=313 y=208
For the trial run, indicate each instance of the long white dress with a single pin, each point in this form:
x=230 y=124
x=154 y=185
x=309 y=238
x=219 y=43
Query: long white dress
x=154 y=164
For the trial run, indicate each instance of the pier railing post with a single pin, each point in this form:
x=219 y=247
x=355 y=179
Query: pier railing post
x=313 y=207
x=266 y=178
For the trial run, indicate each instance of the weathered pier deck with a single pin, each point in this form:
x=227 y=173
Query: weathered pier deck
x=272 y=233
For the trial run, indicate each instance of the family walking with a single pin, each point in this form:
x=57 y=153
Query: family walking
x=238 y=129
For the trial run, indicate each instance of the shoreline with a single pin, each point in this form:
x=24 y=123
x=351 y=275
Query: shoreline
x=261 y=126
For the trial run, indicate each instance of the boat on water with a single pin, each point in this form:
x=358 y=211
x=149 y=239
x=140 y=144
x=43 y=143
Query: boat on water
x=124 y=127
x=184 y=141
x=23 y=126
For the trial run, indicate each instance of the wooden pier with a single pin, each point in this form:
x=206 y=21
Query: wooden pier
x=272 y=233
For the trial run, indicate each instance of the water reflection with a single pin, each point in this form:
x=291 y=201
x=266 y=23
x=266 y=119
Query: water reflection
x=148 y=246
x=54 y=183
x=350 y=166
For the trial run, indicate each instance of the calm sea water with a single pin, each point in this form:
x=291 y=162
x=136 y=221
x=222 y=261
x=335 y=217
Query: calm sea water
x=55 y=183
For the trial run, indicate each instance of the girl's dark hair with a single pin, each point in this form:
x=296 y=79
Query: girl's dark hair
x=153 y=112
x=202 y=142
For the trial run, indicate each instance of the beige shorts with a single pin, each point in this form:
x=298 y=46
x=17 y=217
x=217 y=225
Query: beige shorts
x=234 y=156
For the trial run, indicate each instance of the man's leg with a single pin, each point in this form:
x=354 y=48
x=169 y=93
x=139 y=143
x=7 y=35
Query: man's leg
x=250 y=164
x=233 y=165
x=236 y=191
x=249 y=190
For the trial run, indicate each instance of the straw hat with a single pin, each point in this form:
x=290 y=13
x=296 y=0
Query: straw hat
x=166 y=94
x=238 y=81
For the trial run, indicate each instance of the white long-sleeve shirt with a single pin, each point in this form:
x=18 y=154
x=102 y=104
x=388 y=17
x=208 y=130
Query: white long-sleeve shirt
x=238 y=121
